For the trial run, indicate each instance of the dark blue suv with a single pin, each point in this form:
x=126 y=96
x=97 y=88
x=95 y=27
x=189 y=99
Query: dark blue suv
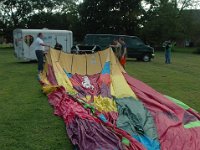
x=135 y=46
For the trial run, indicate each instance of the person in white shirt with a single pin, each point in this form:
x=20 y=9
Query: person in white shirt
x=40 y=51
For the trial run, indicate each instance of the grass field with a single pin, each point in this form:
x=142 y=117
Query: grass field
x=180 y=79
x=27 y=121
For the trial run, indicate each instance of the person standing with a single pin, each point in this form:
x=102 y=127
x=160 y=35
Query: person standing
x=117 y=48
x=123 y=52
x=40 y=51
x=168 y=52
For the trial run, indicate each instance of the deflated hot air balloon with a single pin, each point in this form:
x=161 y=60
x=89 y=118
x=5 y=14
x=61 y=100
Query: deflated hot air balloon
x=106 y=109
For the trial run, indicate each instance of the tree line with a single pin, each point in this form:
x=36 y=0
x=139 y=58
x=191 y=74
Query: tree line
x=153 y=20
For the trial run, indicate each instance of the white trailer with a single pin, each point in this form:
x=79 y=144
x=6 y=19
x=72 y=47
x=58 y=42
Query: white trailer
x=24 y=41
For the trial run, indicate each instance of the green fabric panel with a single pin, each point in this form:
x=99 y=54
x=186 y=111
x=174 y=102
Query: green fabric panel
x=192 y=124
x=125 y=141
x=181 y=104
x=134 y=118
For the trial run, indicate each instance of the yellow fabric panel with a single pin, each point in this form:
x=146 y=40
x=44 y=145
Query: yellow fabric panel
x=60 y=75
x=88 y=64
x=48 y=88
x=57 y=68
x=120 y=67
x=48 y=57
x=119 y=84
x=79 y=64
x=44 y=79
x=63 y=80
x=54 y=54
x=45 y=69
x=93 y=64
x=104 y=104
x=112 y=89
x=66 y=61
x=104 y=55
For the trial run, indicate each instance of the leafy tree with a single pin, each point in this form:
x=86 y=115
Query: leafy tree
x=100 y=16
x=16 y=11
x=162 y=20
x=190 y=21
x=50 y=13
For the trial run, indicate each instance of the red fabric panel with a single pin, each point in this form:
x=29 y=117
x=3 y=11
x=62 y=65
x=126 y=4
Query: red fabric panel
x=50 y=75
x=100 y=82
x=90 y=135
x=77 y=82
x=123 y=61
x=111 y=117
x=65 y=107
x=196 y=114
x=168 y=118
x=153 y=100
x=104 y=78
x=68 y=109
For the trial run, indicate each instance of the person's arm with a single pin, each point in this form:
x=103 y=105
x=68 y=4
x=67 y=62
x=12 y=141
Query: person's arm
x=125 y=51
x=43 y=44
x=113 y=46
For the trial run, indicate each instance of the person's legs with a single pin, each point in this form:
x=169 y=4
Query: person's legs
x=124 y=62
x=169 y=58
x=39 y=55
x=166 y=59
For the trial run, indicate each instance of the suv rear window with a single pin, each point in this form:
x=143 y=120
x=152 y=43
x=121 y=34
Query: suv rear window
x=133 y=42
x=103 y=40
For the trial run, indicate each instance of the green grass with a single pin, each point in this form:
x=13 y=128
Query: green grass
x=185 y=49
x=26 y=118
x=180 y=80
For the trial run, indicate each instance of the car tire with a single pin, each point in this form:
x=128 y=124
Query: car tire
x=146 y=58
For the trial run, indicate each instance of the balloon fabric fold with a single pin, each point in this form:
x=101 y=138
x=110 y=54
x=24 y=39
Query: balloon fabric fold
x=106 y=109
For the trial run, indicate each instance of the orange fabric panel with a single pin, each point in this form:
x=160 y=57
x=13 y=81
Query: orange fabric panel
x=65 y=61
x=104 y=55
x=94 y=65
x=79 y=64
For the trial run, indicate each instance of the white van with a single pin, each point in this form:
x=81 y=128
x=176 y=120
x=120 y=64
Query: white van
x=24 y=41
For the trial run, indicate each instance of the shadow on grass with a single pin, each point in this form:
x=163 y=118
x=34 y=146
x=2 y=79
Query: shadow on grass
x=136 y=60
x=20 y=63
x=27 y=62
x=132 y=60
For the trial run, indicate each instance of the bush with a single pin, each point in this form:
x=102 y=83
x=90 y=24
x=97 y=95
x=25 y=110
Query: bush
x=6 y=45
x=197 y=50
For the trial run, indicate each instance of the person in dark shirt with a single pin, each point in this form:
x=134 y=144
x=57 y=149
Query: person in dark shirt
x=168 y=52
